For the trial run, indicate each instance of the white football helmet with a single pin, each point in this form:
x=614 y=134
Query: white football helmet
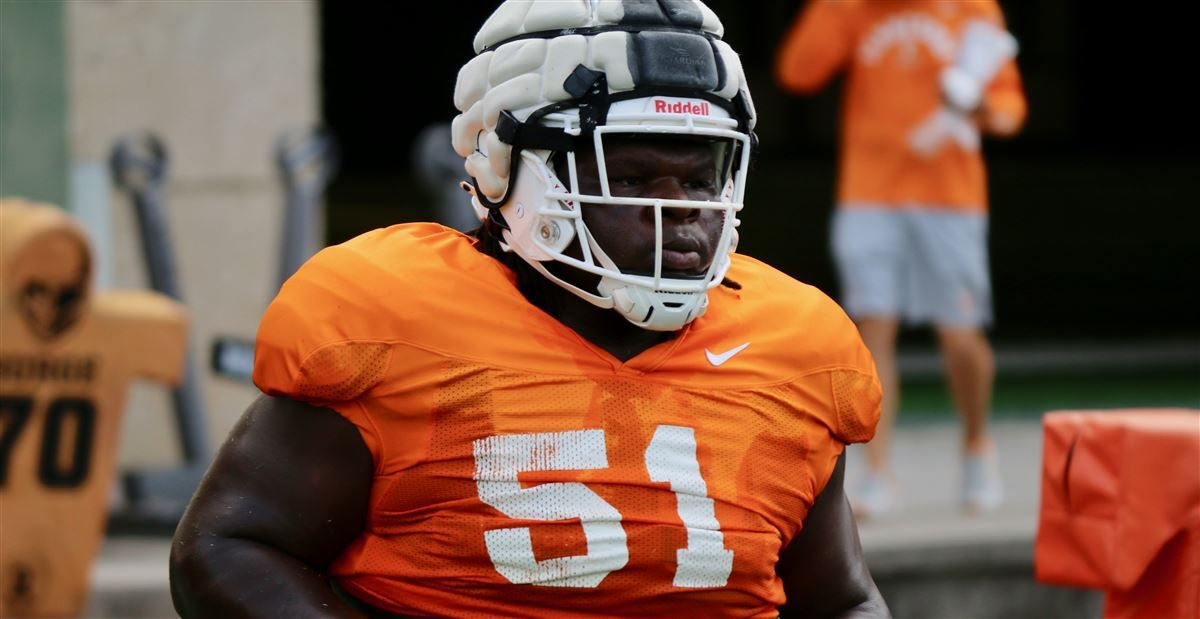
x=559 y=77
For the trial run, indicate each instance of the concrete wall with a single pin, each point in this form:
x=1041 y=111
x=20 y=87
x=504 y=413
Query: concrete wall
x=986 y=577
x=217 y=82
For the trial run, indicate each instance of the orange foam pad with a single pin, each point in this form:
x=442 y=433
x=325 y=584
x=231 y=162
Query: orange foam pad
x=1120 y=508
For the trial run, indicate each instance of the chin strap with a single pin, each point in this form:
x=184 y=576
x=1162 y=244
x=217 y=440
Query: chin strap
x=590 y=91
x=494 y=219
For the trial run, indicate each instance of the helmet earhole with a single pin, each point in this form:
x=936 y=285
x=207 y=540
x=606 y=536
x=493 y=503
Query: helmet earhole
x=549 y=232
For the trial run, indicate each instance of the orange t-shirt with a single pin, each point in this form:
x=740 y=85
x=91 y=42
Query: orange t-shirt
x=893 y=53
x=508 y=449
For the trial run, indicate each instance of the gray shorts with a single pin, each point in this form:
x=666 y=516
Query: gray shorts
x=922 y=265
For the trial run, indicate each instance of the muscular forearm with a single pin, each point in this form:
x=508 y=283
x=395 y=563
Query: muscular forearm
x=873 y=608
x=284 y=496
x=229 y=577
x=870 y=606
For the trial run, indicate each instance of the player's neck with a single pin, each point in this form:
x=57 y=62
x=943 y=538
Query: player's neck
x=604 y=328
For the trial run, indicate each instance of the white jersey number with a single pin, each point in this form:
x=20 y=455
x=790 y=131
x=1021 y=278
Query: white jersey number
x=671 y=457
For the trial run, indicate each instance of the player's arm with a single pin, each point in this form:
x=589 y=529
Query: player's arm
x=815 y=48
x=823 y=570
x=1004 y=108
x=286 y=493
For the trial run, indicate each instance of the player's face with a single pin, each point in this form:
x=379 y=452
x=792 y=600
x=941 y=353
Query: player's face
x=666 y=169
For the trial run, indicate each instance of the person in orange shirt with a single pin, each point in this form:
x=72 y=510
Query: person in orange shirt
x=590 y=406
x=923 y=79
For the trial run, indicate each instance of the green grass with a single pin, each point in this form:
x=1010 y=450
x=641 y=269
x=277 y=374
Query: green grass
x=1029 y=396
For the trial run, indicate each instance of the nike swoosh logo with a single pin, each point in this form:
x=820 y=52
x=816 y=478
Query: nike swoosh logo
x=717 y=360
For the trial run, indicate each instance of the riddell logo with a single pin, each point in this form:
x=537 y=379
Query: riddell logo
x=680 y=107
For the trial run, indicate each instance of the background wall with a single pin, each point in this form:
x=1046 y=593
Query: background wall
x=33 y=139
x=218 y=82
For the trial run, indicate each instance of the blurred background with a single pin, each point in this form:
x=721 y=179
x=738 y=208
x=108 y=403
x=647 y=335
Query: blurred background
x=1094 y=209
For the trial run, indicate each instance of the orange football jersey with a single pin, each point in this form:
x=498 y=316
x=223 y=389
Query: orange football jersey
x=892 y=54
x=523 y=472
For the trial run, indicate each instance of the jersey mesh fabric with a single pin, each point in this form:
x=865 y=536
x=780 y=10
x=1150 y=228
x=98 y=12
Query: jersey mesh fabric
x=847 y=387
x=507 y=449
x=359 y=364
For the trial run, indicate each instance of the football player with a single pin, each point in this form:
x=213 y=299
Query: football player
x=590 y=406
x=923 y=80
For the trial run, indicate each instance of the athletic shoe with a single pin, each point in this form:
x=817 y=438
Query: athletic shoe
x=876 y=497
x=983 y=489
